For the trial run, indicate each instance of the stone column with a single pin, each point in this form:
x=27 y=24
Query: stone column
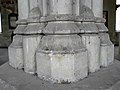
x=72 y=44
x=61 y=51
x=40 y=5
x=76 y=7
x=97 y=8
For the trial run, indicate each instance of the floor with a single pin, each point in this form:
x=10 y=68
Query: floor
x=3 y=55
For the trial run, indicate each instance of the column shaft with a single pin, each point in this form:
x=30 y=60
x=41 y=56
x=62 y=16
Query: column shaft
x=33 y=4
x=23 y=9
x=87 y=3
x=61 y=6
x=40 y=5
x=45 y=7
x=76 y=7
x=97 y=7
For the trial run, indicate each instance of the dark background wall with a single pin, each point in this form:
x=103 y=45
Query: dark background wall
x=5 y=10
x=110 y=7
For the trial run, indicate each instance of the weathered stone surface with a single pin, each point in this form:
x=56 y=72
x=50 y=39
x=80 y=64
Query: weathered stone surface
x=34 y=28
x=61 y=27
x=76 y=7
x=20 y=29
x=92 y=43
x=23 y=9
x=22 y=22
x=61 y=43
x=87 y=27
x=104 y=79
x=102 y=27
x=106 y=50
x=33 y=4
x=100 y=23
x=62 y=58
x=59 y=17
x=34 y=15
x=45 y=7
x=97 y=8
x=100 y=20
x=15 y=51
x=60 y=7
x=60 y=55
x=30 y=44
x=86 y=12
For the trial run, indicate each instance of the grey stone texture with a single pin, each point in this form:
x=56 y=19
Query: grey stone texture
x=62 y=41
x=62 y=58
x=15 y=52
x=106 y=79
x=106 y=50
x=61 y=27
x=92 y=43
x=30 y=44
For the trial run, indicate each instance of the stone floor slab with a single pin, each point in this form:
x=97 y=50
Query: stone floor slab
x=105 y=79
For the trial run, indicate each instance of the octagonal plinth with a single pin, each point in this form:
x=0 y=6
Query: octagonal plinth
x=62 y=58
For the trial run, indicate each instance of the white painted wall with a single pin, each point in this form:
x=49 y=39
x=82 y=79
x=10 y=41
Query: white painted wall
x=118 y=20
x=117 y=1
x=0 y=24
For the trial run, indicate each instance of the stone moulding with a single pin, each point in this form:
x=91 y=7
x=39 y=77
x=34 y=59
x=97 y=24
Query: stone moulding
x=61 y=27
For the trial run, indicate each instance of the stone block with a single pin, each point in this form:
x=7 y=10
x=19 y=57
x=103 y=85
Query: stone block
x=92 y=43
x=30 y=44
x=106 y=50
x=62 y=59
x=61 y=27
x=34 y=15
x=20 y=29
x=34 y=28
x=87 y=27
x=102 y=27
x=15 y=51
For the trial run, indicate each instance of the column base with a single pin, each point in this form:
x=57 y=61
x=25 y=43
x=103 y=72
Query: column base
x=62 y=59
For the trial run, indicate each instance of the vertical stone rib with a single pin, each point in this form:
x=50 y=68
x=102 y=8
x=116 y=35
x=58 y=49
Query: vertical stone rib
x=97 y=7
x=76 y=7
x=40 y=5
x=45 y=7
x=87 y=3
x=23 y=9
x=33 y=4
